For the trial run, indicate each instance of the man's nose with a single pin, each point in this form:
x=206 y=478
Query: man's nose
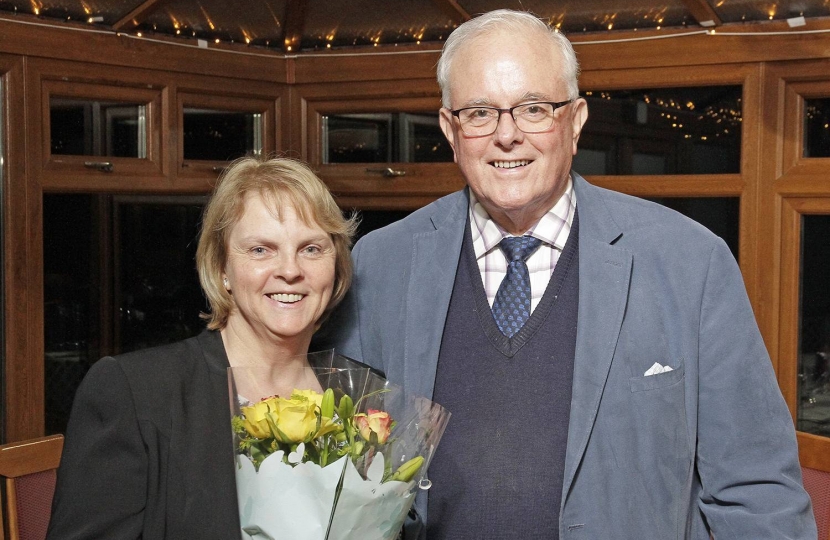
x=507 y=132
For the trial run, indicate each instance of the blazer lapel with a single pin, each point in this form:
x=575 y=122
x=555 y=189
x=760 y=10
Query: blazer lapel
x=434 y=263
x=604 y=275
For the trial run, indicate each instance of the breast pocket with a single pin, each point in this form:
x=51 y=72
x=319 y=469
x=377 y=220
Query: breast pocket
x=660 y=380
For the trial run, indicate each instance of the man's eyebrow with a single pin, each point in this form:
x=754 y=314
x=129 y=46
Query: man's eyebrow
x=535 y=96
x=483 y=102
x=528 y=96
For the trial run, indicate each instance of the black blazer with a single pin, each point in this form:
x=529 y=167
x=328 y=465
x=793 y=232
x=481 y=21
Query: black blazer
x=148 y=451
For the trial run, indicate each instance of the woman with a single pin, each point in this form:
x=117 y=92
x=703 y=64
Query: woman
x=148 y=451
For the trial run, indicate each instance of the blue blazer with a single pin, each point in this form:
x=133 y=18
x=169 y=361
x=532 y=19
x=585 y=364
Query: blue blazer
x=709 y=445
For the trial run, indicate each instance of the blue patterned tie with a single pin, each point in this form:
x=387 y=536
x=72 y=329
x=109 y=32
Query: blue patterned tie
x=511 y=308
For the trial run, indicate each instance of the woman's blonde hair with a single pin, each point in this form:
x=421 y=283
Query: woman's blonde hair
x=282 y=182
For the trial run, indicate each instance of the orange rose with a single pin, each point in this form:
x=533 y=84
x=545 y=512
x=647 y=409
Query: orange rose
x=377 y=422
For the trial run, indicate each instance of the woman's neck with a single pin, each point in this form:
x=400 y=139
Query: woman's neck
x=271 y=368
x=245 y=347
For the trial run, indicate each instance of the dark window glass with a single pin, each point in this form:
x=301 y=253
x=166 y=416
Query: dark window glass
x=71 y=299
x=384 y=138
x=221 y=135
x=719 y=214
x=97 y=128
x=375 y=219
x=157 y=290
x=661 y=131
x=813 y=415
x=119 y=275
x=817 y=127
x=358 y=138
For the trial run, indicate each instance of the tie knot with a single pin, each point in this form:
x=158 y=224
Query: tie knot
x=518 y=248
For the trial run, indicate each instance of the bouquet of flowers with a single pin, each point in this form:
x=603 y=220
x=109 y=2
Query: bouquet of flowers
x=328 y=452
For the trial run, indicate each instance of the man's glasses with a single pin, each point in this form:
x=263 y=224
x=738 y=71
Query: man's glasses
x=529 y=117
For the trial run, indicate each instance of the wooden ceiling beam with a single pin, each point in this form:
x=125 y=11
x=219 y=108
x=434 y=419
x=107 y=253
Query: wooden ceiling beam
x=705 y=15
x=452 y=10
x=294 y=25
x=137 y=15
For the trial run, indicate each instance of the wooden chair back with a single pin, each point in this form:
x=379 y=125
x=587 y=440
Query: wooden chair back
x=30 y=471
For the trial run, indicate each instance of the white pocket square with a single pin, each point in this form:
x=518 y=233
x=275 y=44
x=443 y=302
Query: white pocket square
x=657 y=368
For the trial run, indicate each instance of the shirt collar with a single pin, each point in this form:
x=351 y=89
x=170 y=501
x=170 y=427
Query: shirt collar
x=553 y=227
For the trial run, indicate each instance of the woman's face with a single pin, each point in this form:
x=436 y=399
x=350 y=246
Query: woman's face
x=280 y=273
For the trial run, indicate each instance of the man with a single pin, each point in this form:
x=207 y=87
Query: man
x=627 y=394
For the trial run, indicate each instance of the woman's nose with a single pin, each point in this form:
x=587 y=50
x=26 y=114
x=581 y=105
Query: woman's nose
x=288 y=267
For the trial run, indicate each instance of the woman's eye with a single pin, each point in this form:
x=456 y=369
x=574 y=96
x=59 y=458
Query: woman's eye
x=312 y=250
x=259 y=250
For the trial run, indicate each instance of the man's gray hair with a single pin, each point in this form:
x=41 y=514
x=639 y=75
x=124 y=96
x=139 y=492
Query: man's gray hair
x=520 y=22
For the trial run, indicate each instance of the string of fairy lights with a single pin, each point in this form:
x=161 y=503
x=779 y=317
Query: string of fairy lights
x=206 y=32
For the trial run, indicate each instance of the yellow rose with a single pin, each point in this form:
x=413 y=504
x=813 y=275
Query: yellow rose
x=377 y=422
x=295 y=420
x=310 y=395
x=256 y=418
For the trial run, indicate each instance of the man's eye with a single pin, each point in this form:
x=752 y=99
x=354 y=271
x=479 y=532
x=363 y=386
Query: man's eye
x=481 y=113
x=535 y=110
x=259 y=250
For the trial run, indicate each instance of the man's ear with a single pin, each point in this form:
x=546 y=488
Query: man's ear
x=446 y=123
x=578 y=119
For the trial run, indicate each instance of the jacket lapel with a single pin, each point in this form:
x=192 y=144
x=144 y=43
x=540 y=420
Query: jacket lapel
x=435 y=258
x=604 y=275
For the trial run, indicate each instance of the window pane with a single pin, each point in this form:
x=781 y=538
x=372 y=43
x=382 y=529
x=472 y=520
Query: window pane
x=817 y=127
x=81 y=127
x=71 y=299
x=221 y=135
x=157 y=292
x=721 y=215
x=119 y=275
x=661 y=131
x=384 y=138
x=814 y=343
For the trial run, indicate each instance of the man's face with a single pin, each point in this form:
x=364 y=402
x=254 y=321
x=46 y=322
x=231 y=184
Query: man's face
x=516 y=176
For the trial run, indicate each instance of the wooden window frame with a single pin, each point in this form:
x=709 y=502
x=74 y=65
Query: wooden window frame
x=22 y=328
x=189 y=170
x=814 y=449
x=46 y=77
x=357 y=184
x=794 y=186
x=793 y=145
x=54 y=166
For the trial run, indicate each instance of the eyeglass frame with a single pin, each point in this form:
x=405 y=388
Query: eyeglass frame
x=556 y=105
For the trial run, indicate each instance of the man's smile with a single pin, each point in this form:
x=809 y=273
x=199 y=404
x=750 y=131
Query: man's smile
x=510 y=164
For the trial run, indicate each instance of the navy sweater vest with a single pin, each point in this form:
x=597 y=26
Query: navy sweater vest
x=498 y=471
